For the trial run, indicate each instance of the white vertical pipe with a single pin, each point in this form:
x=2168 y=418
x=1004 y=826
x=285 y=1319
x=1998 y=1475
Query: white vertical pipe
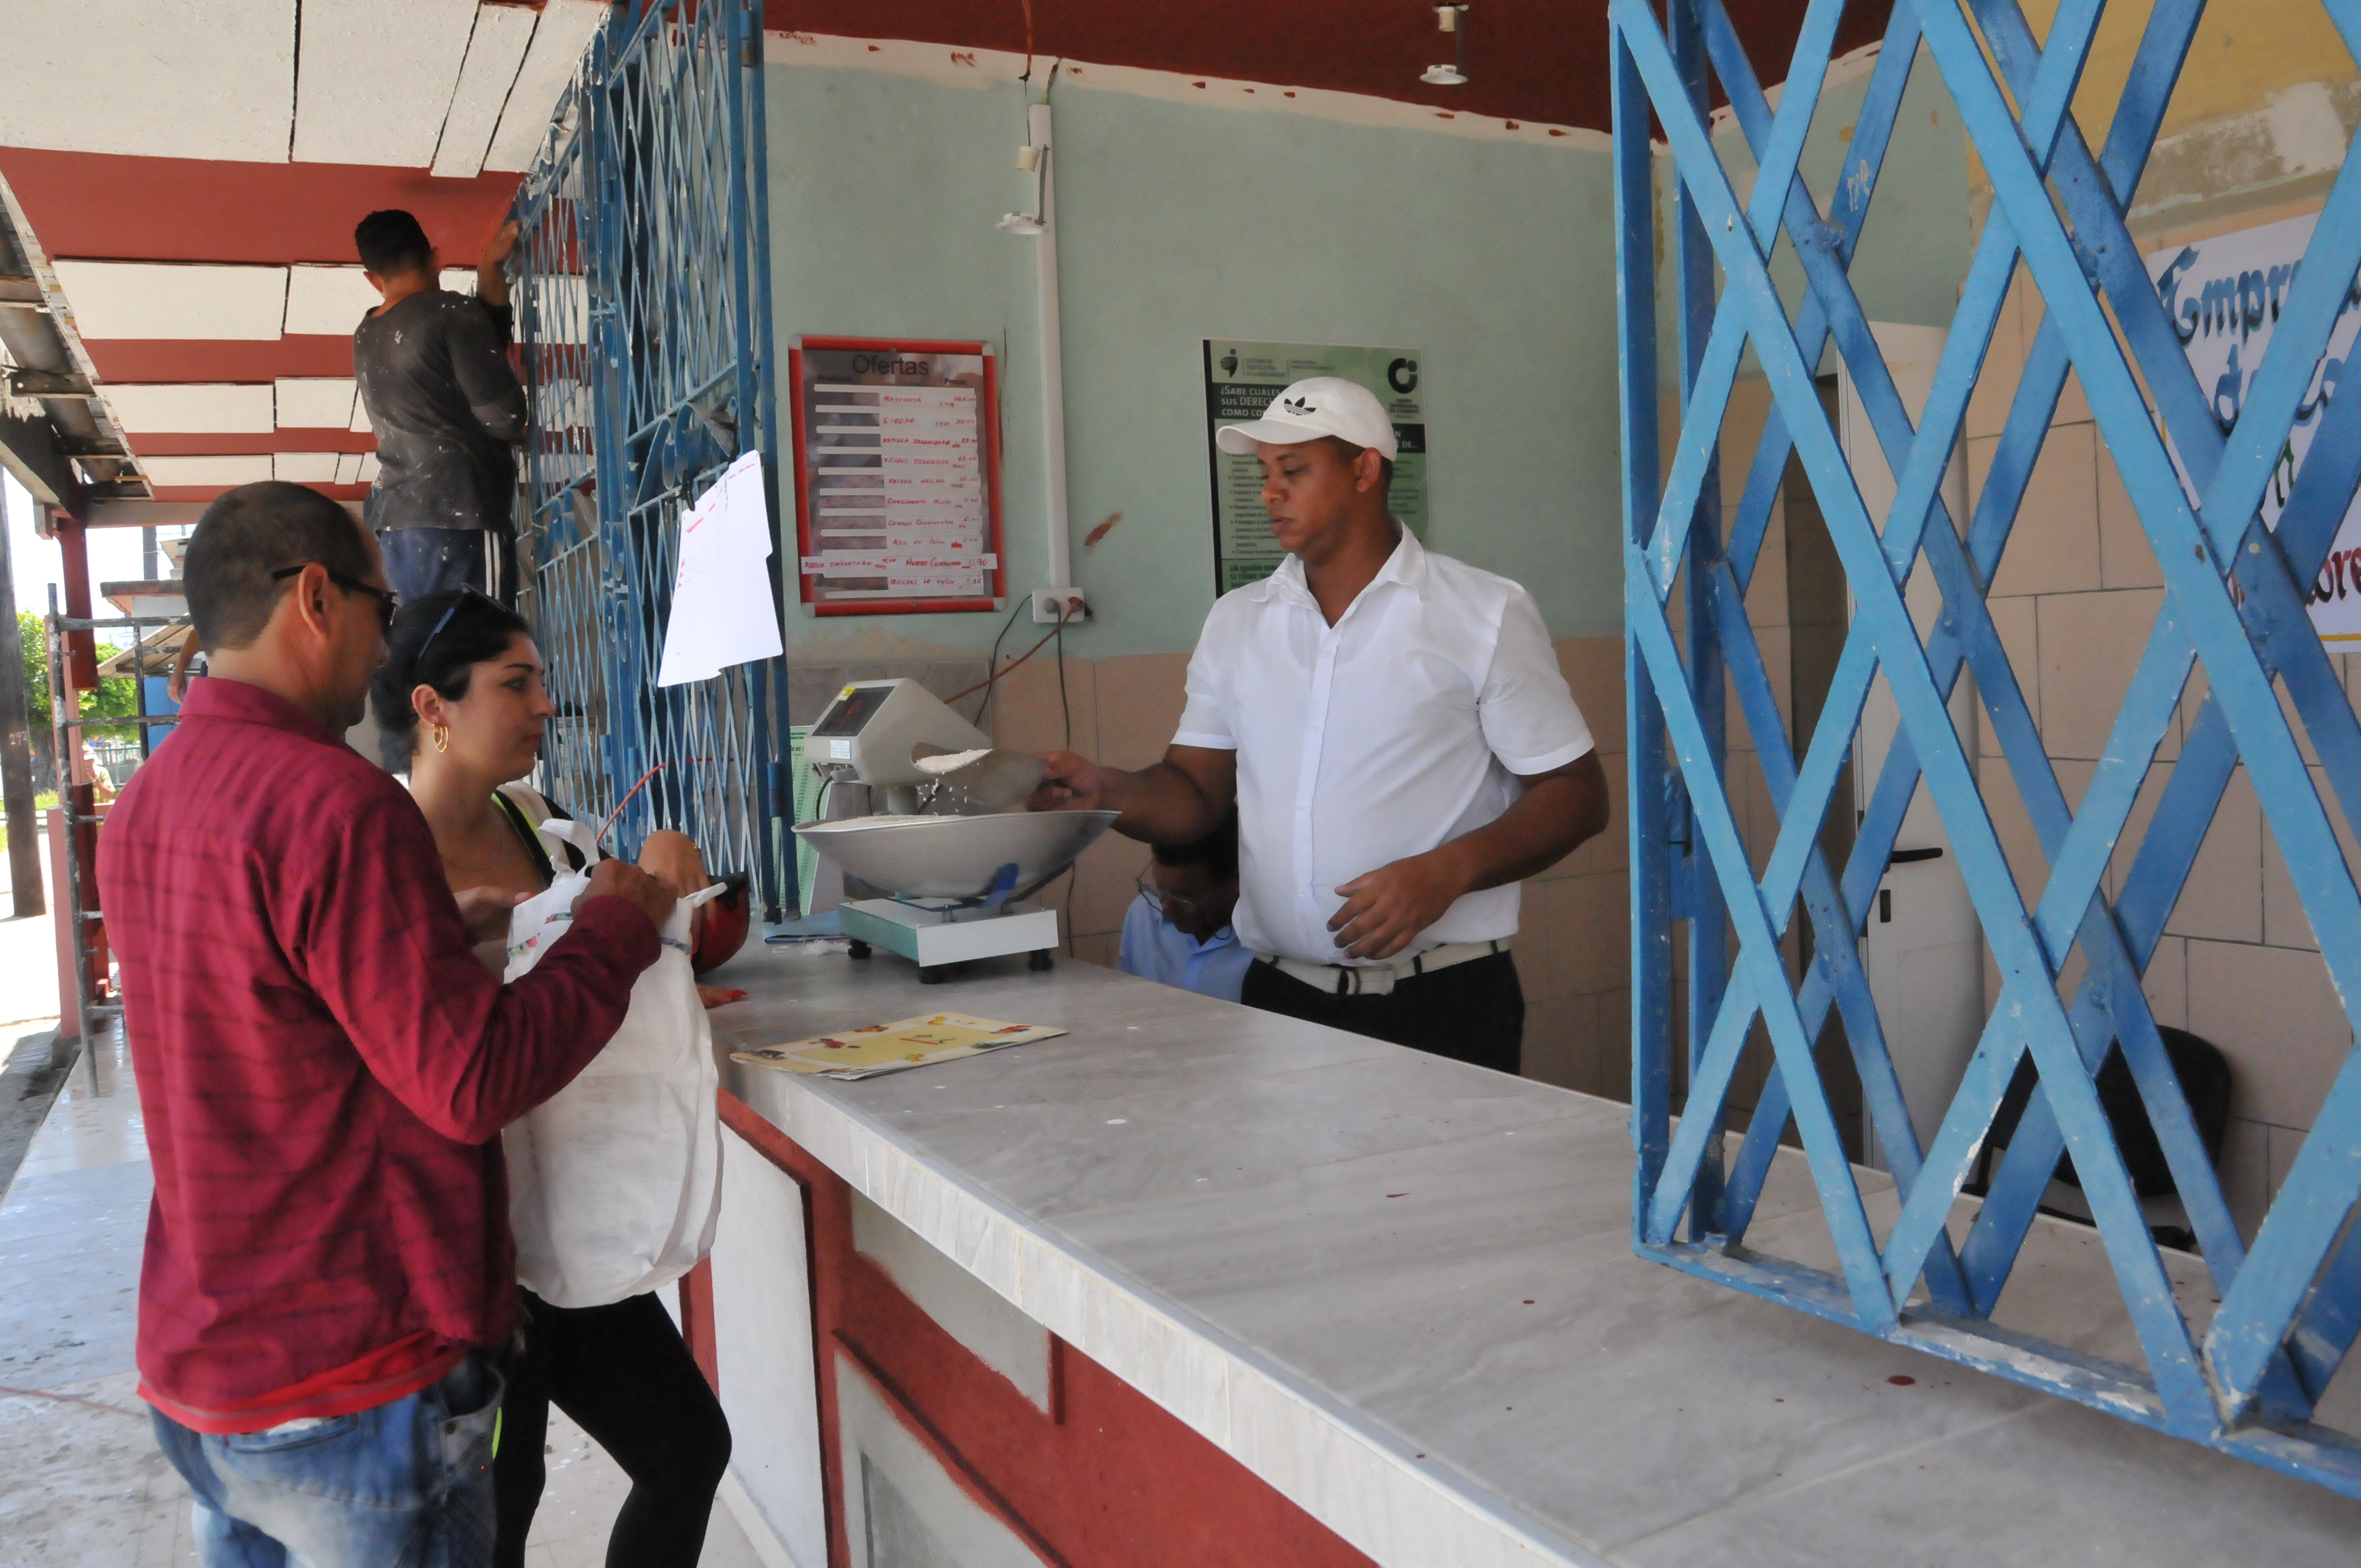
x=1053 y=364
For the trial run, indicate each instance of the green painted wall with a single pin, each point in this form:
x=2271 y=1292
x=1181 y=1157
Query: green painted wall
x=1913 y=249
x=1179 y=223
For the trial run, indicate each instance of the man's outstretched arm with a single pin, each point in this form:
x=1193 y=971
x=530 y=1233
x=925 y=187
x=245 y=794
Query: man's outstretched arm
x=1178 y=801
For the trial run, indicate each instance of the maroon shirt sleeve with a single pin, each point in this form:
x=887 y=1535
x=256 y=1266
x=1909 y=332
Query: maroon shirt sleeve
x=382 y=944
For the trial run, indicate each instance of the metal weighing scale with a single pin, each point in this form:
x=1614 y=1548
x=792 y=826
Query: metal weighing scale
x=957 y=859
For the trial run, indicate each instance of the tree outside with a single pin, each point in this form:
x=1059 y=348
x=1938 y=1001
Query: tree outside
x=116 y=697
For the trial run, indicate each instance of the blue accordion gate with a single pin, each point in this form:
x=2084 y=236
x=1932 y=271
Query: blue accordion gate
x=2234 y=599
x=642 y=283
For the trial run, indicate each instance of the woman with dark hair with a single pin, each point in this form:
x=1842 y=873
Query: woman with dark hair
x=461 y=703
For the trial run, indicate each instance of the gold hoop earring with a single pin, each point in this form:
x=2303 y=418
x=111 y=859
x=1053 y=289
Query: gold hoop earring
x=442 y=737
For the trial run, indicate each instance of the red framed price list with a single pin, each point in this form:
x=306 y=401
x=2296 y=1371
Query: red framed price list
x=897 y=475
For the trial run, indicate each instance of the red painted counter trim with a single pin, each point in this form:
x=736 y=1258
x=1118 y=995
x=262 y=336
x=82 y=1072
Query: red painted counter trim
x=1106 y=1478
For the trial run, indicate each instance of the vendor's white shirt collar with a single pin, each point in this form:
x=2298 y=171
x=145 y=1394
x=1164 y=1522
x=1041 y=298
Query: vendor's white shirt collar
x=1406 y=565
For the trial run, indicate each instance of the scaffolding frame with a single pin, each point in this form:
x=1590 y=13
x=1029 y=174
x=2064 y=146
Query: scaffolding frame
x=98 y=1001
x=2236 y=596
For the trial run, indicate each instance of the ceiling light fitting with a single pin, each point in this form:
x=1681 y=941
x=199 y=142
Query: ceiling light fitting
x=1452 y=19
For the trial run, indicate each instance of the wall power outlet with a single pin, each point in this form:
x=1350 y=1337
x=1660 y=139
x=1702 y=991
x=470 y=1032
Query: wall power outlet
x=1049 y=604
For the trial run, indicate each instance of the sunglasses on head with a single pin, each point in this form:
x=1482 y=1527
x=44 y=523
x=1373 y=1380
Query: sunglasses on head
x=388 y=601
x=465 y=594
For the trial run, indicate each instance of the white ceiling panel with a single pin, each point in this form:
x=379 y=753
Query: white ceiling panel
x=327 y=301
x=315 y=402
x=304 y=467
x=494 y=53
x=564 y=308
x=348 y=467
x=212 y=79
x=245 y=469
x=375 y=77
x=200 y=408
x=566 y=31
x=144 y=299
x=368 y=467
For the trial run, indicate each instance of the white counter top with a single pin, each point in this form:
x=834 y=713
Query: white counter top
x=1402 y=1290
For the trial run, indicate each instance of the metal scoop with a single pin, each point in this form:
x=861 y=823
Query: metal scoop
x=995 y=780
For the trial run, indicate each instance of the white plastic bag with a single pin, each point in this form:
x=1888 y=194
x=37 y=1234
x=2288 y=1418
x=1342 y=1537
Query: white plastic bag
x=615 y=1181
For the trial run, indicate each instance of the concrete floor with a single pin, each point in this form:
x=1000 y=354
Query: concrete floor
x=80 y=1479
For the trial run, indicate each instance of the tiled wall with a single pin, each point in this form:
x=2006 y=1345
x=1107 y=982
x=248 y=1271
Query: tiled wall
x=1573 y=953
x=2074 y=599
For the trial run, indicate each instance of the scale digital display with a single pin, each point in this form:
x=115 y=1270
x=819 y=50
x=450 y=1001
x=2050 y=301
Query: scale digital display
x=856 y=707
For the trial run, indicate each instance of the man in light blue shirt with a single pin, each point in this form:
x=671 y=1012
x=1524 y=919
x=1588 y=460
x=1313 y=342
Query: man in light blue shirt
x=1177 y=931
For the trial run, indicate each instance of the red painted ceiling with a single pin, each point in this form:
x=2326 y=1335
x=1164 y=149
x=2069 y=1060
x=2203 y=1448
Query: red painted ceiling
x=1527 y=59
x=94 y=206
x=173 y=209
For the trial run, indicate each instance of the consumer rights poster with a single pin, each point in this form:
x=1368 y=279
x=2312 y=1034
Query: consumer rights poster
x=2224 y=296
x=1241 y=378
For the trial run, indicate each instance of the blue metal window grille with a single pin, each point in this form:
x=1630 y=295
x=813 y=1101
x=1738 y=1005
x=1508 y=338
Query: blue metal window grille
x=644 y=317
x=2234 y=598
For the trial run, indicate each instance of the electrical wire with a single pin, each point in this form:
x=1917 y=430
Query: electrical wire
x=992 y=662
x=1063 y=617
x=1064 y=707
x=1074 y=872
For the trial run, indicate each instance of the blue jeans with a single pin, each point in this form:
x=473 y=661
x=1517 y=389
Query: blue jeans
x=421 y=561
x=409 y=1482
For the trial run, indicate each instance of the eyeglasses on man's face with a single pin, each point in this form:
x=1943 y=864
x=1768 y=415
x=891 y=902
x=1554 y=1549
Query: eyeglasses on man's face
x=388 y=601
x=1173 y=906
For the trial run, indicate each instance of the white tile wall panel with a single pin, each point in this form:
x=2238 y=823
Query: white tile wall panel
x=494 y=53
x=566 y=31
x=245 y=468
x=327 y=301
x=315 y=402
x=348 y=467
x=114 y=76
x=368 y=467
x=190 y=409
x=360 y=416
x=304 y=467
x=375 y=79
x=151 y=299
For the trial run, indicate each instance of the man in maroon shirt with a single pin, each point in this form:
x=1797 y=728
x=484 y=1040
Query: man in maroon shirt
x=324 y=1068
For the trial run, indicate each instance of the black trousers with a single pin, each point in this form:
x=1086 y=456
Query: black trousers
x=1472 y=1011
x=623 y=1373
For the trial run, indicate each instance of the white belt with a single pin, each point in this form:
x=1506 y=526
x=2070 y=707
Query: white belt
x=1378 y=979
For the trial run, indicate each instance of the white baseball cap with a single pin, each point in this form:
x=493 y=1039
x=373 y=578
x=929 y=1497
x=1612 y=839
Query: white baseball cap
x=1320 y=406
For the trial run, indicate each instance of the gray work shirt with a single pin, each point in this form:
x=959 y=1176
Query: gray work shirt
x=446 y=409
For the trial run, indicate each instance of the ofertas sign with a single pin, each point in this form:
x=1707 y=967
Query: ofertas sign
x=2223 y=296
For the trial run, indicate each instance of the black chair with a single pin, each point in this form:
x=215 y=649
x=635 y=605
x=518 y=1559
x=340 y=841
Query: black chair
x=2204 y=1075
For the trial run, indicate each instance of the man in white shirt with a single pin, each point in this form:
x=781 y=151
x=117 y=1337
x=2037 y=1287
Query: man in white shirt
x=1177 y=930
x=1394 y=733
